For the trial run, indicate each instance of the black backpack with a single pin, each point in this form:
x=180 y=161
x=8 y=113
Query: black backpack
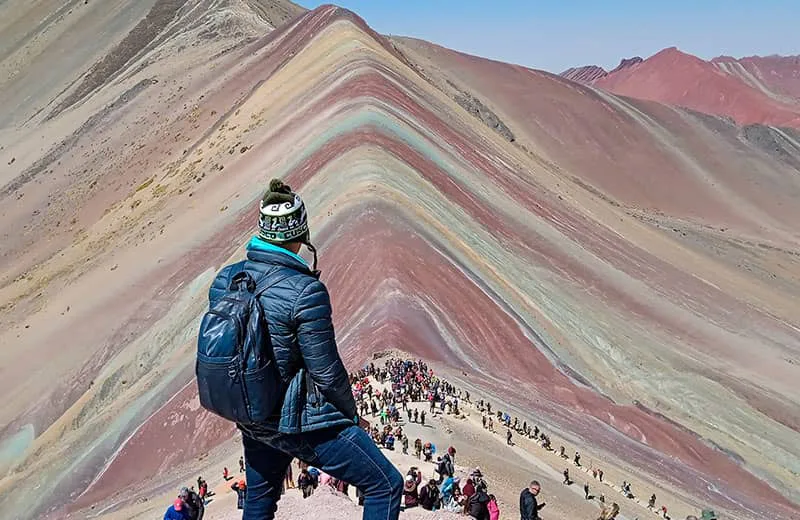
x=441 y=467
x=237 y=377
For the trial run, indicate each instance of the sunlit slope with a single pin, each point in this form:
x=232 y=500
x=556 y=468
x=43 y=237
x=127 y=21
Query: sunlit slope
x=437 y=235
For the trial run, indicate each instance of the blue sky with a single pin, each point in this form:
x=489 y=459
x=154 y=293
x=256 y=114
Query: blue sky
x=555 y=35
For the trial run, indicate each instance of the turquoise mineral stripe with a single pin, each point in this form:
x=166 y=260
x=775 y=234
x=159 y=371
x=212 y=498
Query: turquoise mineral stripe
x=260 y=245
x=387 y=120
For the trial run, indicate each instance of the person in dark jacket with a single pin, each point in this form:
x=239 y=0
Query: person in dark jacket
x=429 y=496
x=306 y=483
x=528 y=506
x=317 y=420
x=241 y=492
x=195 y=507
x=446 y=467
x=477 y=506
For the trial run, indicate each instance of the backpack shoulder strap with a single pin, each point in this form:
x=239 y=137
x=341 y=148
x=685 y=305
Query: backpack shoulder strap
x=268 y=280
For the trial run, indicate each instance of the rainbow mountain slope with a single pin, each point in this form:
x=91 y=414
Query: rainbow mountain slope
x=624 y=271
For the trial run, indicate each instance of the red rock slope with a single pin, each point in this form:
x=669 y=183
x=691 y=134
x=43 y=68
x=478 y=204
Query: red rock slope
x=720 y=88
x=776 y=75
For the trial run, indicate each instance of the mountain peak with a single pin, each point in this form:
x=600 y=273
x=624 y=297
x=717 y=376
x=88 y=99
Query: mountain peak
x=624 y=63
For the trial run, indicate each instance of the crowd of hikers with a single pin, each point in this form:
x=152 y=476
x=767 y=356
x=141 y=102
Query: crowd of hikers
x=405 y=382
x=391 y=395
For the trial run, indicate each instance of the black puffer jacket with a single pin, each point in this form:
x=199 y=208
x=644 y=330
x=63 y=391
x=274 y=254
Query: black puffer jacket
x=298 y=311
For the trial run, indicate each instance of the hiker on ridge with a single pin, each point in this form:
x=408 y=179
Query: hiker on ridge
x=194 y=505
x=446 y=467
x=314 y=415
x=411 y=488
x=528 y=505
x=429 y=496
x=241 y=491
x=477 y=504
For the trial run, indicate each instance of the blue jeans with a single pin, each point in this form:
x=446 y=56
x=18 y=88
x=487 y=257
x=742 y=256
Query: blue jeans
x=345 y=453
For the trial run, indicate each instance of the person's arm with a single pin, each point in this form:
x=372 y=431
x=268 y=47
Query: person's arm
x=317 y=342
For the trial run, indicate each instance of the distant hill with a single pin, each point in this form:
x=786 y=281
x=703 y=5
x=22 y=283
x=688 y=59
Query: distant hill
x=752 y=90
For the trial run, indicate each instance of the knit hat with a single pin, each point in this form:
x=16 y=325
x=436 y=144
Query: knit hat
x=282 y=217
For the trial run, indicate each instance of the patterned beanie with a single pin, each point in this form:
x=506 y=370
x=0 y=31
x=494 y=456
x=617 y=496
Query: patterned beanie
x=283 y=215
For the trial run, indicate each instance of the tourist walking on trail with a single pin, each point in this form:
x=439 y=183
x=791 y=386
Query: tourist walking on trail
x=202 y=489
x=478 y=505
x=194 y=505
x=411 y=488
x=567 y=481
x=429 y=496
x=446 y=466
x=305 y=482
x=586 y=491
x=241 y=491
x=427 y=451
x=529 y=507
x=304 y=406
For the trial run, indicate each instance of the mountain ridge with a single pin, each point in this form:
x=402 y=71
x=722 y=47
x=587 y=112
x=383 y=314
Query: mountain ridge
x=610 y=267
x=750 y=91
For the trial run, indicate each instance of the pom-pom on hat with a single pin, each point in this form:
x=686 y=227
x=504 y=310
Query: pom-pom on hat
x=282 y=216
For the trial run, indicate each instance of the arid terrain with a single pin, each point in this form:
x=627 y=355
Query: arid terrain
x=620 y=263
